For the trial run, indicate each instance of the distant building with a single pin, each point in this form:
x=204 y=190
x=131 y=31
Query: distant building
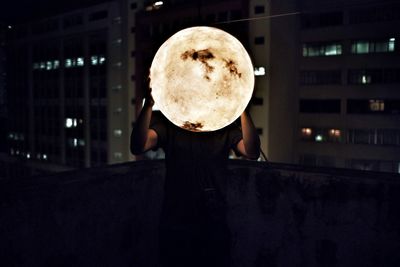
x=68 y=97
x=3 y=102
x=325 y=92
x=334 y=73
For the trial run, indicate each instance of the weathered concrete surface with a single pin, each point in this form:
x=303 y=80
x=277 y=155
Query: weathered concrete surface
x=279 y=215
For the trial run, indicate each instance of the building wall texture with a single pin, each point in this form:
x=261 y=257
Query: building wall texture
x=279 y=215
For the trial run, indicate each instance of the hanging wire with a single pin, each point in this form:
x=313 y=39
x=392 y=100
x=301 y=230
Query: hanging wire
x=260 y=18
x=319 y=8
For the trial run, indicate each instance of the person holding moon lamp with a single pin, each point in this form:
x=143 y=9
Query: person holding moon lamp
x=193 y=227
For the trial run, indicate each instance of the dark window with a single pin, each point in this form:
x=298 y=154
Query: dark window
x=363 y=164
x=72 y=21
x=259 y=40
x=222 y=16
x=361 y=136
x=308 y=159
x=373 y=76
x=258 y=101
x=373 y=106
x=320 y=77
x=133 y=53
x=133 y=29
x=320 y=105
x=259 y=10
x=46 y=26
x=236 y=14
x=375 y=14
x=134 y=5
x=259 y=131
x=321 y=20
x=210 y=18
x=98 y=15
x=390 y=137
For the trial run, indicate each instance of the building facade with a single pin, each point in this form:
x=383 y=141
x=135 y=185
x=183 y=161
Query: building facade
x=334 y=78
x=325 y=92
x=67 y=94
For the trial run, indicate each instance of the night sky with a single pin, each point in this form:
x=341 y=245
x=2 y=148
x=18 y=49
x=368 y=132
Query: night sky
x=24 y=10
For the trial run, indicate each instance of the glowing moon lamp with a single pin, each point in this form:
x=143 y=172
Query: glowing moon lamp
x=202 y=79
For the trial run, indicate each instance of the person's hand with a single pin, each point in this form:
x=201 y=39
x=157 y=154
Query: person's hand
x=148 y=97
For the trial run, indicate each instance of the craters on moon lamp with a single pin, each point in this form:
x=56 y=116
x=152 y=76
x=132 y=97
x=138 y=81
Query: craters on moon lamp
x=202 y=79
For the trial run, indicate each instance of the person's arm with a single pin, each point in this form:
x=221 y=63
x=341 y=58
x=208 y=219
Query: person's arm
x=249 y=146
x=143 y=138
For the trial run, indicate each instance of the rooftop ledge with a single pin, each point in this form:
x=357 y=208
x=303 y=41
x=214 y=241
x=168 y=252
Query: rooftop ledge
x=278 y=214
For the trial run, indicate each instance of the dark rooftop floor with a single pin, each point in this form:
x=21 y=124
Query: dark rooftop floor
x=278 y=215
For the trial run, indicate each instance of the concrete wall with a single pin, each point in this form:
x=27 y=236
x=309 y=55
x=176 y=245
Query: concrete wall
x=279 y=215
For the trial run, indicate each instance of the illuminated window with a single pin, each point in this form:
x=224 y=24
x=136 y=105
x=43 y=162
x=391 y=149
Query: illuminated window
x=319 y=138
x=117 y=20
x=373 y=76
x=68 y=63
x=376 y=105
x=56 y=64
x=154 y=6
x=334 y=133
x=117 y=41
x=373 y=106
x=374 y=46
x=259 y=71
x=80 y=61
x=117 y=155
x=76 y=142
x=71 y=123
x=321 y=49
x=365 y=79
x=94 y=60
x=332 y=50
x=117 y=132
x=306 y=132
x=116 y=88
x=391 y=44
x=49 y=65
x=102 y=59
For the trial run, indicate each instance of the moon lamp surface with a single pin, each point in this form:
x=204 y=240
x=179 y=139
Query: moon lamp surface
x=202 y=79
